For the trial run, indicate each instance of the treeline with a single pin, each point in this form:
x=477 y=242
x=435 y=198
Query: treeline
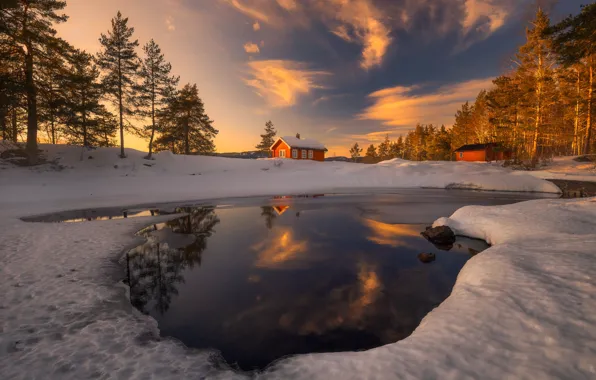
x=542 y=107
x=67 y=95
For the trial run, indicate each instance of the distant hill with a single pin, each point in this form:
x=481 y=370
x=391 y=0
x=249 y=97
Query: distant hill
x=343 y=159
x=252 y=155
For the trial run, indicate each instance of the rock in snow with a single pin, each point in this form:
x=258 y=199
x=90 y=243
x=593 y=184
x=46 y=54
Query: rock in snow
x=440 y=235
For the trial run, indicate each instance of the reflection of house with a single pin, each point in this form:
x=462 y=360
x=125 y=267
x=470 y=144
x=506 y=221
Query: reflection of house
x=298 y=149
x=280 y=209
x=483 y=152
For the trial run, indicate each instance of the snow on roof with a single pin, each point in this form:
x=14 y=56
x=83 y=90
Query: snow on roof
x=295 y=142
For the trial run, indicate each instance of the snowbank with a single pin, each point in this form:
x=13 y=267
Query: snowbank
x=567 y=168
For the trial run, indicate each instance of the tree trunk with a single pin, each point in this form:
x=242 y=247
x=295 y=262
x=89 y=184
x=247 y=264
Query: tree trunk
x=152 y=112
x=3 y=112
x=31 y=106
x=575 y=144
x=15 y=130
x=186 y=138
x=589 y=118
x=84 y=121
x=121 y=109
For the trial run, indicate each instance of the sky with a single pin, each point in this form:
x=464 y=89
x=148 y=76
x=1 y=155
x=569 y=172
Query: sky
x=339 y=71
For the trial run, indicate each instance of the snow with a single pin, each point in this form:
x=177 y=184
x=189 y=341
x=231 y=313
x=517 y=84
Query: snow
x=295 y=142
x=567 y=168
x=105 y=178
x=522 y=309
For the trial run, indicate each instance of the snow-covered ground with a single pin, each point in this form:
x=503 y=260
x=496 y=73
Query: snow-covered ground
x=567 y=168
x=108 y=180
x=521 y=309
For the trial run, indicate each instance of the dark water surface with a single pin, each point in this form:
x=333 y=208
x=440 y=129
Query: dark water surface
x=260 y=283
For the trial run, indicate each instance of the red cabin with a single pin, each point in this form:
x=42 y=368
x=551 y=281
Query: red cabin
x=483 y=152
x=298 y=149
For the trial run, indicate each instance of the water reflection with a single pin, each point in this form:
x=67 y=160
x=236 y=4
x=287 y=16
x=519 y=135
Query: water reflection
x=307 y=280
x=154 y=268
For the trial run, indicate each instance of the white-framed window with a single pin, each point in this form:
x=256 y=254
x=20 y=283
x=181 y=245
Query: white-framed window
x=461 y=154
x=310 y=154
x=294 y=153
x=303 y=153
x=282 y=153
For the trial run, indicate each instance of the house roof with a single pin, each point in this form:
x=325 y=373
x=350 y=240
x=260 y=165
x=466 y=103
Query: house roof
x=470 y=147
x=294 y=142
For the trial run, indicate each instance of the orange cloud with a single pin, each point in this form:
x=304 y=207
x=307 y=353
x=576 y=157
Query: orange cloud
x=170 y=23
x=251 y=48
x=361 y=22
x=249 y=11
x=256 y=26
x=400 y=106
x=288 y=5
x=281 y=82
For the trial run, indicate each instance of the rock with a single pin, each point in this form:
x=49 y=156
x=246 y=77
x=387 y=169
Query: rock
x=441 y=235
x=426 y=257
x=115 y=166
x=90 y=158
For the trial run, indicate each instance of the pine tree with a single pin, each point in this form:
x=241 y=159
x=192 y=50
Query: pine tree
x=156 y=87
x=120 y=62
x=29 y=28
x=87 y=121
x=355 y=152
x=575 y=42
x=462 y=127
x=371 y=152
x=536 y=64
x=383 y=149
x=184 y=125
x=51 y=84
x=267 y=139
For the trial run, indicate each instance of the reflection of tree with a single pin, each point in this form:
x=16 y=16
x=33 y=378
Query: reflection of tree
x=154 y=268
x=269 y=213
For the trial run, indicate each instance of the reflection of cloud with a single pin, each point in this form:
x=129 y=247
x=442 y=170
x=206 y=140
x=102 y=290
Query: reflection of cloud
x=279 y=249
x=251 y=48
x=400 y=106
x=390 y=234
x=256 y=26
x=282 y=82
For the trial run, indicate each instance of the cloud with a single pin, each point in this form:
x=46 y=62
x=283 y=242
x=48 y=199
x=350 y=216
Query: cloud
x=256 y=26
x=403 y=106
x=250 y=11
x=170 y=23
x=288 y=5
x=359 y=21
x=251 y=48
x=282 y=82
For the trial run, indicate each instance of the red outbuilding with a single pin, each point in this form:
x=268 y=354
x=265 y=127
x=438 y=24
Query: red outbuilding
x=483 y=152
x=298 y=149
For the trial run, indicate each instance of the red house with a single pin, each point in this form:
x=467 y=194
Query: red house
x=298 y=149
x=483 y=152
